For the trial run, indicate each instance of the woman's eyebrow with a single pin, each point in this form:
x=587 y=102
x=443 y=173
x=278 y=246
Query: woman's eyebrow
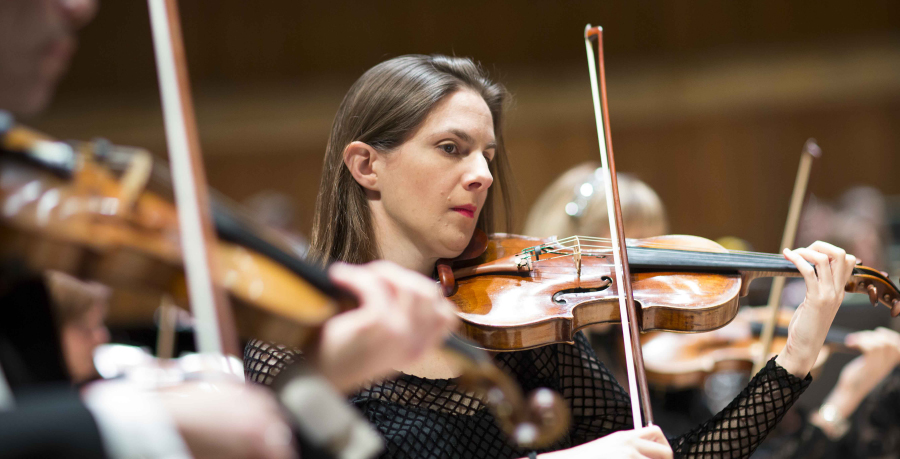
x=468 y=139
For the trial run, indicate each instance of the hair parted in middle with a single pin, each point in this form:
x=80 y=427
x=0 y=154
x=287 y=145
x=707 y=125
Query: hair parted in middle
x=382 y=109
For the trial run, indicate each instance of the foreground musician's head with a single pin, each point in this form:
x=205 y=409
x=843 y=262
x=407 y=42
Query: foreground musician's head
x=414 y=150
x=37 y=39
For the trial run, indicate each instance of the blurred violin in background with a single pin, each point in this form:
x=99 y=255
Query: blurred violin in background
x=677 y=361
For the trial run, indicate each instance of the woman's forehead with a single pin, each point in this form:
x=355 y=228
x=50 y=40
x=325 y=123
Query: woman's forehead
x=464 y=114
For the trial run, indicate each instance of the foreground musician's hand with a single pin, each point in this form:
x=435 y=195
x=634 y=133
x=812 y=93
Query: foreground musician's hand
x=227 y=420
x=824 y=294
x=221 y=419
x=648 y=442
x=401 y=315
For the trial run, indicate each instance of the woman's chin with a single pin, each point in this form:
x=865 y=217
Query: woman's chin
x=452 y=248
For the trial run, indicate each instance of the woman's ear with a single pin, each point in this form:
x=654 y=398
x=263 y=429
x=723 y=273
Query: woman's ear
x=359 y=158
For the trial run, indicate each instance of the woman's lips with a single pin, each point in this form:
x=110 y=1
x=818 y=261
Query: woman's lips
x=468 y=211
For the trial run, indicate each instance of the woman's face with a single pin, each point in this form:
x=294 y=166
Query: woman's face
x=434 y=185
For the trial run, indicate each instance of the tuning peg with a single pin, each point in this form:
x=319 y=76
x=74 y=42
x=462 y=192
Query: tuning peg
x=873 y=294
x=895 y=309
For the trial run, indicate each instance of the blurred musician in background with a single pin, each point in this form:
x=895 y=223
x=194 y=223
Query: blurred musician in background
x=860 y=417
x=575 y=203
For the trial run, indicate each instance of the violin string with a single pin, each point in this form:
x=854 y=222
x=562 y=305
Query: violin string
x=673 y=246
x=563 y=251
x=676 y=247
x=563 y=244
x=687 y=253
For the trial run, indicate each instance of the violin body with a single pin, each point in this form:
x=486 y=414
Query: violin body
x=525 y=292
x=95 y=226
x=514 y=311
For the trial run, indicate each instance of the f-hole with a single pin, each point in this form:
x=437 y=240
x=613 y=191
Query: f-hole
x=578 y=294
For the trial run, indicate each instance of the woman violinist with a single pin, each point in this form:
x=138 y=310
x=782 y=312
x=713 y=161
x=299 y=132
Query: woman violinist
x=415 y=148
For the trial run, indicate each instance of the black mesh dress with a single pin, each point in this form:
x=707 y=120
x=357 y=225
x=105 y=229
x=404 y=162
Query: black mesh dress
x=426 y=418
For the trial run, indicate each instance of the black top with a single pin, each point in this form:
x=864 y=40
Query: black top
x=425 y=418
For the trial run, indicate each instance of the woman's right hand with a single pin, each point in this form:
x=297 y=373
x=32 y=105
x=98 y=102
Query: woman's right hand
x=401 y=315
x=647 y=442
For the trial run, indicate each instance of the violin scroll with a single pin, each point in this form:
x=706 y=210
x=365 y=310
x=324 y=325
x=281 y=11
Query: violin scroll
x=533 y=422
x=877 y=286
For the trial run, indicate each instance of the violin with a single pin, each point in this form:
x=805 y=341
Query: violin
x=71 y=211
x=525 y=292
x=677 y=361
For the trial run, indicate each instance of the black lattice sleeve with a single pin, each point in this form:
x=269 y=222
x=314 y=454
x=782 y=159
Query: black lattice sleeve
x=263 y=361
x=601 y=406
x=737 y=430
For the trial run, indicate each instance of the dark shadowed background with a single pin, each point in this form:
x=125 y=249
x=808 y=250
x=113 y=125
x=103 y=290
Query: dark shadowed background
x=710 y=101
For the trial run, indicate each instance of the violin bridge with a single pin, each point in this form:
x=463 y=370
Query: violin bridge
x=576 y=255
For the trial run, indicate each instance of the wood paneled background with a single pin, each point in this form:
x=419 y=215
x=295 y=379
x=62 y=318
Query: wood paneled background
x=710 y=101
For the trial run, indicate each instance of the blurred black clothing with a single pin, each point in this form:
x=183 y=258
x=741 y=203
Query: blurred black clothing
x=49 y=422
x=30 y=349
x=49 y=419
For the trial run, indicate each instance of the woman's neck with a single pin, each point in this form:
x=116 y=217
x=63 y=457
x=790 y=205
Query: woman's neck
x=396 y=246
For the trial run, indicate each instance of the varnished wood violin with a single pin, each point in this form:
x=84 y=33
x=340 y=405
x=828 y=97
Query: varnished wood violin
x=525 y=292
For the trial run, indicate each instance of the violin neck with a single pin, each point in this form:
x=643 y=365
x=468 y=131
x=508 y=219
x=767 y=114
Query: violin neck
x=644 y=259
x=753 y=266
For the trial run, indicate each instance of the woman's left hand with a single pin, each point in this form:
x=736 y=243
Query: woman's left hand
x=824 y=294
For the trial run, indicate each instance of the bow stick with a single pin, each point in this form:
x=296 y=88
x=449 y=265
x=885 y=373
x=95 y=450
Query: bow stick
x=634 y=357
x=214 y=328
x=810 y=151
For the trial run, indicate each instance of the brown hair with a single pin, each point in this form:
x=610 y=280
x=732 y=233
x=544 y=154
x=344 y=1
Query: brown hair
x=642 y=210
x=382 y=109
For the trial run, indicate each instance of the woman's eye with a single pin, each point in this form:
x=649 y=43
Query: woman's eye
x=449 y=148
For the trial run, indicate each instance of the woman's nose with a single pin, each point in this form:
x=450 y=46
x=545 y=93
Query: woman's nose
x=478 y=177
